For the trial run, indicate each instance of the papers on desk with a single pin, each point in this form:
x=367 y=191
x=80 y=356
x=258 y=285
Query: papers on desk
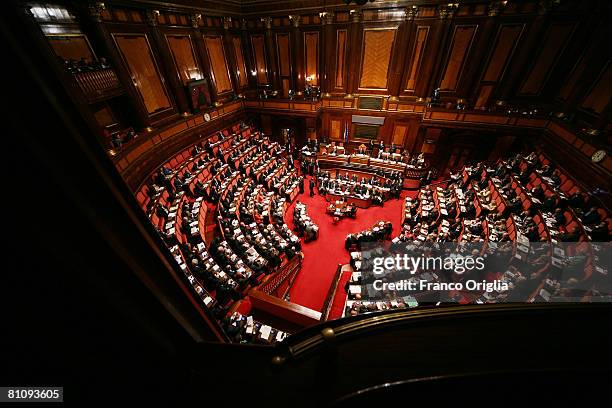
x=264 y=332
x=354 y=289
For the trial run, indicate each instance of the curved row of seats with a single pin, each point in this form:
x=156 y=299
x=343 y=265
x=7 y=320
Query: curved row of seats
x=179 y=199
x=501 y=207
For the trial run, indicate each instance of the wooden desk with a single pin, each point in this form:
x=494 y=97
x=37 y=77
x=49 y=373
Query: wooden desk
x=357 y=202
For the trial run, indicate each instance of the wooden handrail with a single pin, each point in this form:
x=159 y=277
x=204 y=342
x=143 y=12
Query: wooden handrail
x=291 y=312
x=329 y=299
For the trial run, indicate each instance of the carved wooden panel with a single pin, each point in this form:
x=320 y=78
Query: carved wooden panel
x=241 y=70
x=376 y=57
x=417 y=56
x=460 y=47
x=311 y=55
x=218 y=64
x=183 y=55
x=484 y=95
x=259 y=53
x=553 y=45
x=340 y=57
x=399 y=133
x=138 y=58
x=599 y=95
x=284 y=55
x=71 y=47
x=506 y=42
x=335 y=126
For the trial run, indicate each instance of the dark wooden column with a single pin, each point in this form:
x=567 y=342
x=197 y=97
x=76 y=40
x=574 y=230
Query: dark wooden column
x=105 y=40
x=440 y=39
x=271 y=53
x=404 y=34
x=246 y=54
x=328 y=47
x=522 y=62
x=167 y=62
x=229 y=52
x=200 y=50
x=469 y=87
x=355 y=34
x=297 y=55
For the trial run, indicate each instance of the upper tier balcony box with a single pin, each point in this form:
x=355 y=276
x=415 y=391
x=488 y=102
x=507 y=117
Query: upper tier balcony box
x=99 y=84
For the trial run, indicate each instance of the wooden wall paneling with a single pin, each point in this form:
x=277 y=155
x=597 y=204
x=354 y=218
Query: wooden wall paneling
x=284 y=62
x=271 y=54
x=580 y=79
x=584 y=33
x=416 y=57
x=552 y=46
x=483 y=42
x=311 y=57
x=377 y=47
x=109 y=48
x=218 y=62
x=340 y=61
x=598 y=97
x=183 y=55
x=247 y=53
x=230 y=56
x=72 y=47
x=242 y=72
x=494 y=68
x=355 y=34
x=525 y=52
x=399 y=134
x=328 y=48
x=144 y=72
x=335 y=128
x=400 y=55
x=507 y=39
x=429 y=76
x=461 y=43
x=164 y=59
x=297 y=52
x=259 y=57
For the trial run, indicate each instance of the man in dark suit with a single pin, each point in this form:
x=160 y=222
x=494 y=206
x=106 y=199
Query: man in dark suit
x=311 y=184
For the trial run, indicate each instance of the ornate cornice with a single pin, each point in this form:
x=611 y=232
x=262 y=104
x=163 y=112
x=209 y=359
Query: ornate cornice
x=227 y=23
x=95 y=11
x=151 y=17
x=295 y=20
x=411 y=12
x=448 y=11
x=495 y=7
x=327 y=17
x=194 y=20
x=356 y=16
x=267 y=22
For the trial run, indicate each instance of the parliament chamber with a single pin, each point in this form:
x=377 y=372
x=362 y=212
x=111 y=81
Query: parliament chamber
x=246 y=194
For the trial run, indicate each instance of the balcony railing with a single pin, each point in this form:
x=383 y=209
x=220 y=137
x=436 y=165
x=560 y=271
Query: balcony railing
x=98 y=84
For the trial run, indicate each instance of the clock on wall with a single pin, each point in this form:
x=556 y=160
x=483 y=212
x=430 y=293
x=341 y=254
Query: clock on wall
x=207 y=117
x=598 y=156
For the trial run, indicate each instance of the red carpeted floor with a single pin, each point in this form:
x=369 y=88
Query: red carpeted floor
x=322 y=256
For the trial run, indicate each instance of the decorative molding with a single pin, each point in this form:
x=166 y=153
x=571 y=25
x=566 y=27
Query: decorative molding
x=227 y=23
x=194 y=19
x=448 y=11
x=95 y=11
x=356 y=16
x=267 y=22
x=495 y=7
x=295 y=20
x=411 y=12
x=327 y=17
x=151 y=17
